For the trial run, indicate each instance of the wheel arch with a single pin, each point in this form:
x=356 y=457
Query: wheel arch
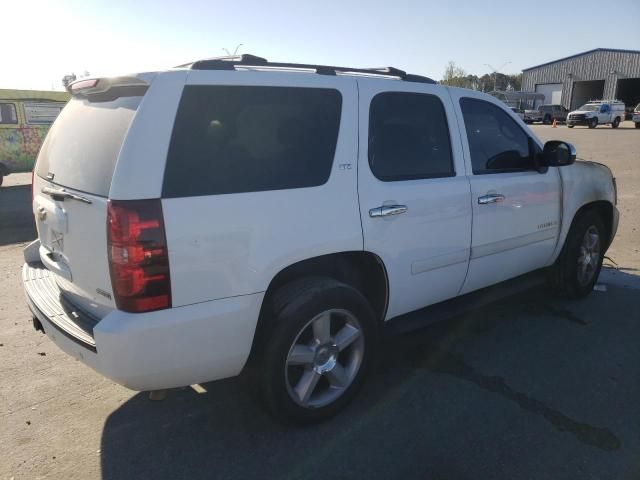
x=362 y=270
x=605 y=209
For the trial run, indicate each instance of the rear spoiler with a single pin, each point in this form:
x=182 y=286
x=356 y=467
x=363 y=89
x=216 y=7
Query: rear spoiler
x=107 y=89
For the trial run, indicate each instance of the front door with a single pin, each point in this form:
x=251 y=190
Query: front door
x=414 y=195
x=516 y=208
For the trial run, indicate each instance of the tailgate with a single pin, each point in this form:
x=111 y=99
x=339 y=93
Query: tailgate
x=71 y=188
x=73 y=244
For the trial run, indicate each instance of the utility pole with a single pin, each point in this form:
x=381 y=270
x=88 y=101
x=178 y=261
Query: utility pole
x=495 y=73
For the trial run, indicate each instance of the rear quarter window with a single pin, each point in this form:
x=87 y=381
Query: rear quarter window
x=233 y=139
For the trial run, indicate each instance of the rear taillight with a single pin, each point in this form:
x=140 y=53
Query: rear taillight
x=138 y=257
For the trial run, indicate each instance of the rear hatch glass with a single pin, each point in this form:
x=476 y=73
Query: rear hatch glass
x=82 y=147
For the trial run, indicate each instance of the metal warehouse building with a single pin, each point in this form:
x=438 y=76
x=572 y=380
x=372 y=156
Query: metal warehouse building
x=602 y=73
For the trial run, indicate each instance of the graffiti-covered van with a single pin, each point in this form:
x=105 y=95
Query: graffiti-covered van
x=25 y=118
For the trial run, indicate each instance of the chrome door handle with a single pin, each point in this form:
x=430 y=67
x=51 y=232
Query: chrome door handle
x=387 y=210
x=491 y=198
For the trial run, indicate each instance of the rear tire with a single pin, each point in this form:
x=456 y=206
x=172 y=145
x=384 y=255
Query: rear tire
x=319 y=346
x=1 y=179
x=570 y=126
x=615 y=123
x=577 y=268
x=593 y=123
x=546 y=120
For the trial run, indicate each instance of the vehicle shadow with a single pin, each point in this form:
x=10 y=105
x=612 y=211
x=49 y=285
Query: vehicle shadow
x=16 y=219
x=429 y=411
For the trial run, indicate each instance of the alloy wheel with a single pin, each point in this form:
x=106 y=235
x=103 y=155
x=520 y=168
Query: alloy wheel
x=324 y=359
x=589 y=257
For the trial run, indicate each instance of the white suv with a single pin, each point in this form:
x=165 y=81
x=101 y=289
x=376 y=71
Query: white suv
x=234 y=212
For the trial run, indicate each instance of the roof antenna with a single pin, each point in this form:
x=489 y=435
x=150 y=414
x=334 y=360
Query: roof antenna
x=235 y=51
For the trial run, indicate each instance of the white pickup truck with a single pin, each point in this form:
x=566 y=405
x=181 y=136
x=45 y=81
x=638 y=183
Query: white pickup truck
x=235 y=214
x=600 y=112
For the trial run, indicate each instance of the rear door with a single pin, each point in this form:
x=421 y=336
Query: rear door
x=72 y=180
x=260 y=174
x=414 y=195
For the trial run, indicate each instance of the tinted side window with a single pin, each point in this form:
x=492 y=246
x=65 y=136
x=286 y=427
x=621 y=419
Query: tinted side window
x=8 y=113
x=232 y=139
x=408 y=137
x=496 y=142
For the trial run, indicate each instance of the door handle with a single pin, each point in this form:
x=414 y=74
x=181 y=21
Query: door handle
x=491 y=198
x=387 y=210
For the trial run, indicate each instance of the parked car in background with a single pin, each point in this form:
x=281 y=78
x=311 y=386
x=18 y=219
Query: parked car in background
x=546 y=114
x=518 y=111
x=25 y=118
x=553 y=112
x=597 y=112
x=636 y=116
x=532 y=116
x=237 y=214
x=628 y=112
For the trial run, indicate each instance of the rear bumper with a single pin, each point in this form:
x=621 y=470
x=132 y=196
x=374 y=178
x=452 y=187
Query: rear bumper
x=149 y=351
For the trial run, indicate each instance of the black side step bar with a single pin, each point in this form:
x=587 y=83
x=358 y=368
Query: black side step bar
x=460 y=305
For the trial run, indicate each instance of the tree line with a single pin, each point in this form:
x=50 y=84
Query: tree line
x=456 y=76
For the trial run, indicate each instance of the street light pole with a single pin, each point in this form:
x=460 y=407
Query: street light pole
x=495 y=72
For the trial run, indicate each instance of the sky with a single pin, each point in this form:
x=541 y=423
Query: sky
x=45 y=39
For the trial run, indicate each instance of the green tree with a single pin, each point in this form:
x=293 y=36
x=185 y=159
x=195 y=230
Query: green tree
x=454 y=76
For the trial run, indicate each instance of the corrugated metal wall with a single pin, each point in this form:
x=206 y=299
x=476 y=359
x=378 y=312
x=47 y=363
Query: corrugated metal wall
x=597 y=65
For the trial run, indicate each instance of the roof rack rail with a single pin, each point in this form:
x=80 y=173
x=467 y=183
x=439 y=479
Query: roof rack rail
x=253 y=61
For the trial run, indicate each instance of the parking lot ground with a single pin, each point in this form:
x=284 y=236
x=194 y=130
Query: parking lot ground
x=534 y=387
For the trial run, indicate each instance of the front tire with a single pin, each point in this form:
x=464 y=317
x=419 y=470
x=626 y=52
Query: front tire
x=637 y=125
x=576 y=270
x=593 y=123
x=570 y=126
x=320 y=345
x=547 y=120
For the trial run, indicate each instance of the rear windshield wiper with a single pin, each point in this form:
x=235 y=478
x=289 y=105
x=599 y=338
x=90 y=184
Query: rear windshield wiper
x=60 y=194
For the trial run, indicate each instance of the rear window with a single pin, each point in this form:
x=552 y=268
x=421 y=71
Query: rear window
x=232 y=139
x=82 y=146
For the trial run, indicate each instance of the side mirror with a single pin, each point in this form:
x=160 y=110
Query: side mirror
x=557 y=153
